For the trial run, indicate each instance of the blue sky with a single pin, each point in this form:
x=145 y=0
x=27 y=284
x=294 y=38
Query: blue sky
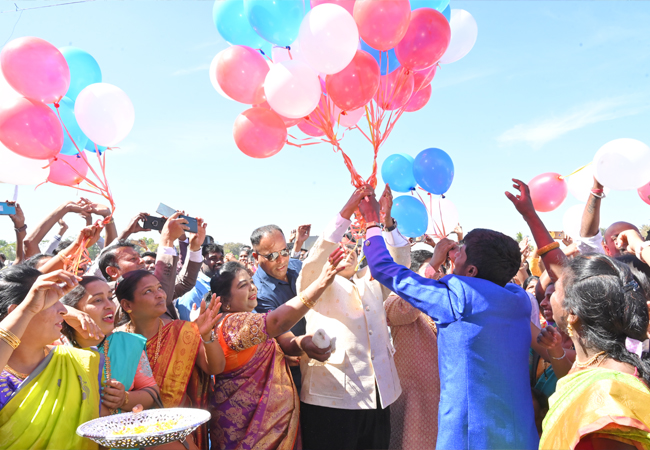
x=546 y=85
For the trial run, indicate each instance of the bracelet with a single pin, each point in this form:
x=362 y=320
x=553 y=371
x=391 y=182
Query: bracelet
x=126 y=399
x=393 y=227
x=308 y=304
x=211 y=338
x=598 y=193
x=547 y=248
x=23 y=228
x=374 y=224
x=561 y=357
x=9 y=338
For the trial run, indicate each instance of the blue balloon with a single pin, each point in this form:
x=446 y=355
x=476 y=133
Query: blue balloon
x=232 y=24
x=447 y=13
x=66 y=109
x=90 y=146
x=388 y=59
x=411 y=216
x=439 y=5
x=84 y=70
x=434 y=170
x=397 y=171
x=277 y=21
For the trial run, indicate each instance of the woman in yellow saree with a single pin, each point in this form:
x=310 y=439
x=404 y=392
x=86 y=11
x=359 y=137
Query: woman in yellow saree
x=46 y=391
x=182 y=354
x=604 y=401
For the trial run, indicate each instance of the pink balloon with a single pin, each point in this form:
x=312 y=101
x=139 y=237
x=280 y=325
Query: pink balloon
x=287 y=121
x=348 y=119
x=241 y=72
x=259 y=132
x=644 y=193
x=30 y=128
x=422 y=78
x=355 y=85
x=395 y=89
x=347 y=4
x=382 y=23
x=418 y=100
x=548 y=191
x=67 y=170
x=36 y=69
x=425 y=41
x=309 y=129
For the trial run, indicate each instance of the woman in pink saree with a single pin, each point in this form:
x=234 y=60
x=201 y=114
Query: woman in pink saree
x=255 y=403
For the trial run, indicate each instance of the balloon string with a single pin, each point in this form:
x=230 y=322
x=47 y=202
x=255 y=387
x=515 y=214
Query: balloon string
x=562 y=177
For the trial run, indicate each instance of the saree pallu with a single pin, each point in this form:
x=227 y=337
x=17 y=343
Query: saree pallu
x=48 y=406
x=125 y=351
x=598 y=402
x=176 y=373
x=256 y=406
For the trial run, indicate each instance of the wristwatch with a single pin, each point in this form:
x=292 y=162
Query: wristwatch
x=374 y=224
x=23 y=228
x=391 y=228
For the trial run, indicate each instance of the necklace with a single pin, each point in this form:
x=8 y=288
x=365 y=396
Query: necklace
x=600 y=356
x=155 y=358
x=107 y=366
x=21 y=376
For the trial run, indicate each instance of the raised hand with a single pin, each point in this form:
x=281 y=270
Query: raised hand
x=628 y=240
x=386 y=205
x=441 y=252
x=356 y=197
x=331 y=269
x=549 y=338
x=48 y=289
x=134 y=225
x=173 y=229
x=197 y=239
x=292 y=236
x=567 y=240
x=19 y=218
x=302 y=235
x=83 y=323
x=523 y=202
x=208 y=317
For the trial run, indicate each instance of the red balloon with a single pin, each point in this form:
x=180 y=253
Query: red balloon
x=347 y=4
x=644 y=193
x=355 y=85
x=548 y=191
x=382 y=23
x=418 y=100
x=425 y=41
x=241 y=72
x=30 y=128
x=259 y=132
x=287 y=122
x=309 y=129
x=395 y=89
x=422 y=78
x=67 y=170
x=36 y=69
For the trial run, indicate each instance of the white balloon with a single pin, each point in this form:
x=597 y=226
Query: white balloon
x=282 y=54
x=16 y=169
x=443 y=216
x=328 y=38
x=581 y=183
x=572 y=220
x=213 y=75
x=622 y=164
x=104 y=113
x=292 y=89
x=464 y=32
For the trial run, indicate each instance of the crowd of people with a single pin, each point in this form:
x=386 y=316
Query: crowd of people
x=357 y=342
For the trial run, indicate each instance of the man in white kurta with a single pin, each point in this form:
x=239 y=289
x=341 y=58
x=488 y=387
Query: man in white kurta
x=345 y=400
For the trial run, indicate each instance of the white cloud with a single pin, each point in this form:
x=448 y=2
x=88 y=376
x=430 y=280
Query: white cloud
x=190 y=70
x=540 y=131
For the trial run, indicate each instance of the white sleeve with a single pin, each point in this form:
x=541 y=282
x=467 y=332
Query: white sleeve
x=592 y=244
x=394 y=238
x=335 y=230
x=53 y=245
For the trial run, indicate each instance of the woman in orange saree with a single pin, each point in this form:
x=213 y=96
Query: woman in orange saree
x=255 y=402
x=182 y=354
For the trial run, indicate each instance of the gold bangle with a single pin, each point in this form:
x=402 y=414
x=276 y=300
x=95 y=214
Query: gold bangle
x=547 y=248
x=9 y=338
x=308 y=304
x=126 y=399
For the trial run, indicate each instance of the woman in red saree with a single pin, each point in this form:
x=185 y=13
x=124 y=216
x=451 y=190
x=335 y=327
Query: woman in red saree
x=182 y=354
x=255 y=403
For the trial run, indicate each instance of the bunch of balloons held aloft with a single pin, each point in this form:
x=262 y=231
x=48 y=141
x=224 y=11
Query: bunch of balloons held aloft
x=327 y=66
x=53 y=109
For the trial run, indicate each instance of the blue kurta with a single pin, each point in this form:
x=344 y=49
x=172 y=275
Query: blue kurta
x=483 y=342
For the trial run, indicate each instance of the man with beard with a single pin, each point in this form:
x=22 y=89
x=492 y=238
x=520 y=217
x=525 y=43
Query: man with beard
x=212 y=262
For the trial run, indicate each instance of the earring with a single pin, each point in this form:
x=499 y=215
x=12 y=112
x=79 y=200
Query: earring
x=227 y=307
x=128 y=311
x=569 y=330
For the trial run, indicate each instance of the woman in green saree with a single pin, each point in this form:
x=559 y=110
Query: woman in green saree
x=604 y=401
x=46 y=391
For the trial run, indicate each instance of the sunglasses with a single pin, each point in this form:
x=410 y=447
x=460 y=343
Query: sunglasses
x=275 y=255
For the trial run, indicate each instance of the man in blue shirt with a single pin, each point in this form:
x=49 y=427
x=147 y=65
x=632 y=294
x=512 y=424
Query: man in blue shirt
x=212 y=262
x=276 y=275
x=483 y=335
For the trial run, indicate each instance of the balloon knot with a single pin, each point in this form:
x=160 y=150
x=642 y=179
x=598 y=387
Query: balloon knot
x=56 y=105
x=78 y=156
x=288 y=47
x=262 y=51
x=442 y=195
x=343 y=113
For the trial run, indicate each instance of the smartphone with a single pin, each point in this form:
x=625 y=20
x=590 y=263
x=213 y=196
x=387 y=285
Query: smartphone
x=191 y=223
x=7 y=209
x=154 y=223
x=165 y=210
x=557 y=234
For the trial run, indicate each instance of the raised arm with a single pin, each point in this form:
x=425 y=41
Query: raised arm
x=21 y=231
x=554 y=258
x=88 y=235
x=591 y=216
x=36 y=236
x=186 y=279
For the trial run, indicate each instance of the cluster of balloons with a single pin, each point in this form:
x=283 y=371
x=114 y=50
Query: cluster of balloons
x=298 y=62
x=621 y=165
x=433 y=170
x=53 y=105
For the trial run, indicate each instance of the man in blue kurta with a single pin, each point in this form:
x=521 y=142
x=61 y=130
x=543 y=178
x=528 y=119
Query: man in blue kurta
x=483 y=335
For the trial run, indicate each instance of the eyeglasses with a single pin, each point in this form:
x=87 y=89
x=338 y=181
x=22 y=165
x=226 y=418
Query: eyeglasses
x=275 y=255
